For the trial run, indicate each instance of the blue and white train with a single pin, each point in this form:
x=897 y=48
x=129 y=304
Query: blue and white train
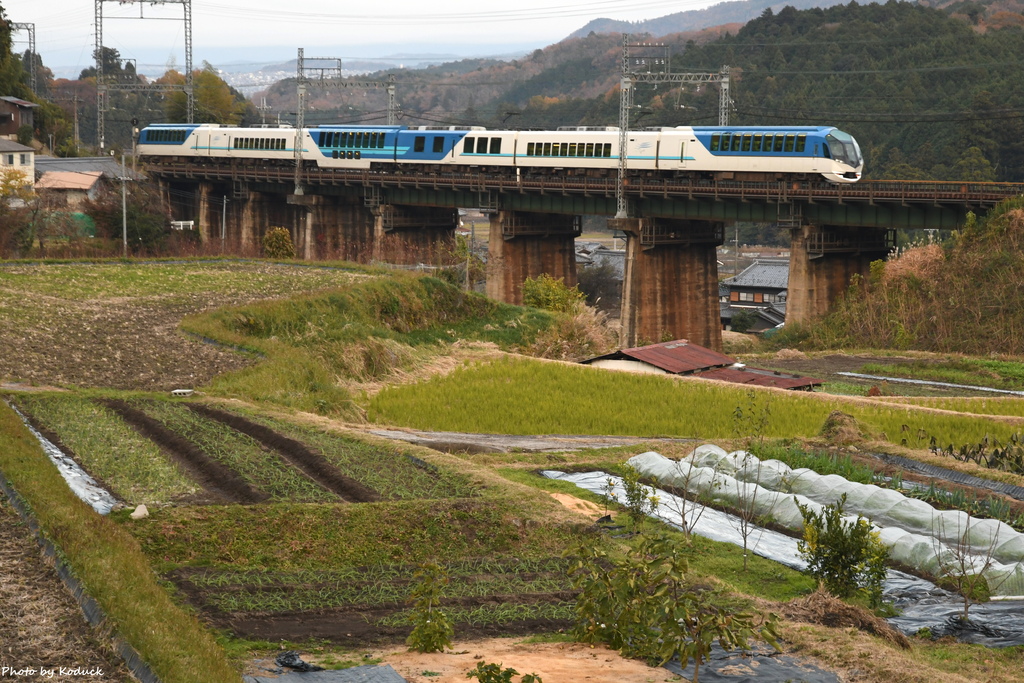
x=724 y=152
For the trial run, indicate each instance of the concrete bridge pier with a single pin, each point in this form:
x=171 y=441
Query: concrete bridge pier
x=408 y=235
x=670 y=287
x=823 y=261
x=526 y=244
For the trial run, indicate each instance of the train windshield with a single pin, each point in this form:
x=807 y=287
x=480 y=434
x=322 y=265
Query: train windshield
x=844 y=148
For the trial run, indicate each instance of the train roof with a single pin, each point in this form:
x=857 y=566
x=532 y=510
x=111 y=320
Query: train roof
x=767 y=129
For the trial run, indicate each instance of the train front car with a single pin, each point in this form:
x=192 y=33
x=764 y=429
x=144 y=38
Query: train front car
x=847 y=161
x=765 y=153
x=165 y=141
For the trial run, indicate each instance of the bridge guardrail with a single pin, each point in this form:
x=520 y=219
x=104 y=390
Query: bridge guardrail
x=870 y=191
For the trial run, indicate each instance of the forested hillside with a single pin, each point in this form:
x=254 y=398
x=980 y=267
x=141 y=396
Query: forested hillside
x=929 y=93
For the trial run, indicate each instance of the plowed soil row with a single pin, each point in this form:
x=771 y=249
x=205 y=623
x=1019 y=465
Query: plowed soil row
x=213 y=476
x=41 y=625
x=354 y=626
x=313 y=464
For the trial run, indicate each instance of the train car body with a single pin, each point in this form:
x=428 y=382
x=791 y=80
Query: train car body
x=750 y=153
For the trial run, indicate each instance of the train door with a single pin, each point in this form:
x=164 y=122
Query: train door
x=202 y=142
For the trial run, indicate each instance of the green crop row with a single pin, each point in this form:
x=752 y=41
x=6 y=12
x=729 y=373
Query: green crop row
x=381 y=572
x=489 y=615
x=515 y=396
x=386 y=470
x=299 y=598
x=259 y=466
x=132 y=466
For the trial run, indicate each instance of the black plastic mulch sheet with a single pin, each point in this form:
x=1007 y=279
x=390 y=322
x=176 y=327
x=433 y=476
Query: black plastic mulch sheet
x=757 y=666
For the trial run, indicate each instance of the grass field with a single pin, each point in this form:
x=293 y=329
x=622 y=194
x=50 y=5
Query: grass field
x=305 y=561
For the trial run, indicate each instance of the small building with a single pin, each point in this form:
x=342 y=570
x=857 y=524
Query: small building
x=757 y=296
x=70 y=188
x=17 y=156
x=762 y=283
x=108 y=166
x=680 y=357
x=15 y=113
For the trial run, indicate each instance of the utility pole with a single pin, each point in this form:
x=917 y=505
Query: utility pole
x=638 y=70
x=223 y=223
x=31 y=30
x=328 y=77
x=124 y=207
x=103 y=83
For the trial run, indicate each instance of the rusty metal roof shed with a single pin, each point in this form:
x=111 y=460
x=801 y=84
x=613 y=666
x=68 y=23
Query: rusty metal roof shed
x=761 y=378
x=678 y=357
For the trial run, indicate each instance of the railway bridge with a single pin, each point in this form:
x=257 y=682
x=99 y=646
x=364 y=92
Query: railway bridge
x=671 y=279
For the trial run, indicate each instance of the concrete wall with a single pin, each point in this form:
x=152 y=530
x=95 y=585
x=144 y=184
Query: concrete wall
x=544 y=245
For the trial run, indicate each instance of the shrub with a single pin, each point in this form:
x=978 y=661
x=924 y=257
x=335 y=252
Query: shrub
x=277 y=244
x=550 y=294
x=493 y=673
x=848 y=557
x=431 y=632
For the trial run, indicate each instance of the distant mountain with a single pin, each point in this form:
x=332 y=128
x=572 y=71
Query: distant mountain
x=694 y=20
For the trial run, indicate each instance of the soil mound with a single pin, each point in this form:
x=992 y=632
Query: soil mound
x=821 y=608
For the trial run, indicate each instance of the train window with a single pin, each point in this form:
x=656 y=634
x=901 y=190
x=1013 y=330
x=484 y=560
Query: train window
x=495 y=145
x=380 y=141
x=348 y=154
x=715 y=141
x=607 y=149
x=746 y=142
x=358 y=154
x=589 y=151
x=438 y=144
x=529 y=149
x=564 y=149
x=756 y=145
x=419 y=144
x=736 y=141
x=768 y=142
x=373 y=140
x=556 y=148
x=801 y=142
x=469 y=146
x=779 y=141
x=572 y=149
x=790 y=139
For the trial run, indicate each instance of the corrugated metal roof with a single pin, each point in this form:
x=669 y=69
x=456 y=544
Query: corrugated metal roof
x=18 y=101
x=12 y=146
x=766 y=274
x=760 y=377
x=678 y=357
x=109 y=166
x=68 y=180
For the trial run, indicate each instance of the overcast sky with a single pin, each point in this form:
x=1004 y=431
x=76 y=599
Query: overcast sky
x=234 y=32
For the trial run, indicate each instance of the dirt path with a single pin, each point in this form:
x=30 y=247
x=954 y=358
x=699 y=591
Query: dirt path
x=41 y=625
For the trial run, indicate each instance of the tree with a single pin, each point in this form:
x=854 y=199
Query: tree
x=642 y=606
x=973 y=166
x=15 y=225
x=846 y=556
x=962 y=566
x=277 y=244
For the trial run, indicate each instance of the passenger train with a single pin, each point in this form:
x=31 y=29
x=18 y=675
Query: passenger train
x=723 y=152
